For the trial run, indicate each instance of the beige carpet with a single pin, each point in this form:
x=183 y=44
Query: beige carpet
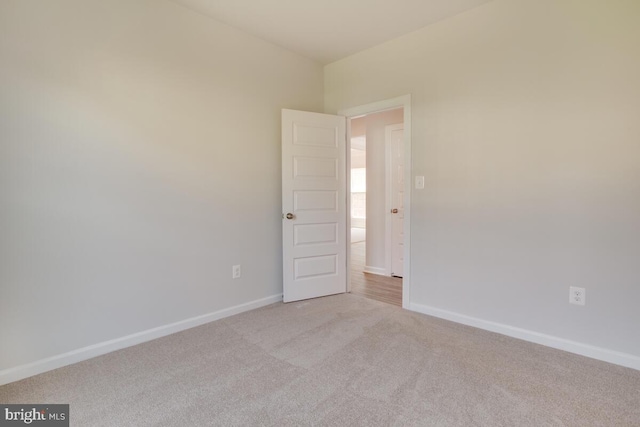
x=342 y=361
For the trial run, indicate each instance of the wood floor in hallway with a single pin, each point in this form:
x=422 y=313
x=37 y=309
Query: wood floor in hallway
x=374 y=286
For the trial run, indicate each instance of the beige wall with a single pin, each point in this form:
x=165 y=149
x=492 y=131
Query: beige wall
x=139 y=160
x=525 y=125
x=359 y=126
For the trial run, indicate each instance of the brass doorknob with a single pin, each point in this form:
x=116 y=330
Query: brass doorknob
x=394 y=210
x=290 y=216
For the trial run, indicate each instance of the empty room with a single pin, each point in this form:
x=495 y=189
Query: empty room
x=179 y=213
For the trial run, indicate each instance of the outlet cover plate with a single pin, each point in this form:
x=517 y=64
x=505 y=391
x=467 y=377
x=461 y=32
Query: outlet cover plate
x=237 y=272
x=577 y=296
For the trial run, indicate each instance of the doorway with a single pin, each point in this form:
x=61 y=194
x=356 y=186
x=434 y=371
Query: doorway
x=316 y=235
x=379 y=198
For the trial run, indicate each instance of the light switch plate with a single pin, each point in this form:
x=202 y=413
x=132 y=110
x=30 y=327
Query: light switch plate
x=419 y=182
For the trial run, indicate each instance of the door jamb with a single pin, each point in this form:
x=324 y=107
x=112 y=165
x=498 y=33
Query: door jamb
x=376 y=107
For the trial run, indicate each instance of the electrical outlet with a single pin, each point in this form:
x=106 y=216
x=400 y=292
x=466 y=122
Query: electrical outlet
x=577 y=296
x=237 y=272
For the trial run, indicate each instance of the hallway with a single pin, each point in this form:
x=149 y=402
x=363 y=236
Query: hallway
x=380 y=288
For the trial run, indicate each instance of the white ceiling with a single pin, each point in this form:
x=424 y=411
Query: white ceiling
x=328 y=30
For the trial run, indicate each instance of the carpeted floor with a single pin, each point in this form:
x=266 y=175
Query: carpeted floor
x=340 y=361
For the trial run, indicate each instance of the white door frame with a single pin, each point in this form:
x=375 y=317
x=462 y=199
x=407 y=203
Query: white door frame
x=376 y=107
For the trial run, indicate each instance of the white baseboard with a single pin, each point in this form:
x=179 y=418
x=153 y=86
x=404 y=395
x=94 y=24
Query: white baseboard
x=603 y=354
x=24 y=371
x=375 y=270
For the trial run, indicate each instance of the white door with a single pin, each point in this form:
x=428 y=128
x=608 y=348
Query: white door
x=395 y=180
x=313 y=204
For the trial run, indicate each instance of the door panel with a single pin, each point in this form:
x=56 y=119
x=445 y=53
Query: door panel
x=396 y=139
x=315 y=266
x=311 y=168
x=313 y=192
x=315 y=234
x=315 y=201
